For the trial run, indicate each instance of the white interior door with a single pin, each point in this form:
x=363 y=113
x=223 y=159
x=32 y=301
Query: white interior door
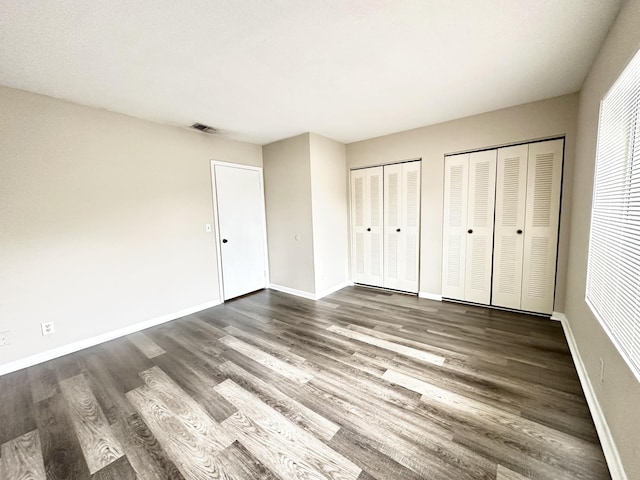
x=544 y=181
x=366 y=221
x=511 y=194
x=479 y=245
x=401 y=226
x=241 y=229
x=456 y=183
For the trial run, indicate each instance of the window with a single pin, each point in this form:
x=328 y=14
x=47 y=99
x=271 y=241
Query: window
x=613 y=272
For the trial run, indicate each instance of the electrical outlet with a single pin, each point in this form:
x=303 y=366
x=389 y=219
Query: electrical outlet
x=47 y=328
x=5 y=338
x=601 y=371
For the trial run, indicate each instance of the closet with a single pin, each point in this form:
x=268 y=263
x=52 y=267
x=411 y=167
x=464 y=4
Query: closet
x=500 y=231
x=385 y=226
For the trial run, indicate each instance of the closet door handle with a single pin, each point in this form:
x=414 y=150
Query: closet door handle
x=369 y=229
x=224 y=240
x=469 y=231
x=397 y=229
x=519 y=232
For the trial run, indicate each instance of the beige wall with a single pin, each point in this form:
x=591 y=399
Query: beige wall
x=556 y=116
x=102 y=220
x=330 y=207
x=287 y=180
x=619 y=395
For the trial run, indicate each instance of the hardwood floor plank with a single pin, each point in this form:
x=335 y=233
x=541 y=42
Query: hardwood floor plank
x=576 y=426
x=388 y=437
x=542 y=442
x=394 y=347
x=67 y=366
x=43 y=381
x=198 y=385
x=465 y=383
x=120 y=469
x=431 y=393
x=369 y=458
x=145 y=345
x=146 y=455
x=400 y=337
x=198 y=340
x=97 y=441
x=16 y=406
x=202 y=329
x=434 y=447
x=21 y=458
x=195 y=359
x=184 y=407
x=190 y=437
x=501 y=452
x=276 y=441
x=263 y=341
x=299 y=414
x=124 y=362
x=317 y=340
x=107 y=390
x=241 y=465
x=505 y=474
x=283 y=368
x=61 y=452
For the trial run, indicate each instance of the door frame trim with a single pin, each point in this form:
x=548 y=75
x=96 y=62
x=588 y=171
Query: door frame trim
x=216 y=222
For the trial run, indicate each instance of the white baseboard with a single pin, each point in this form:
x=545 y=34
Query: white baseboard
x=333 y=289
x=308 y=295
x=430 y=296
x=606 y=439
x=103 y=337
x=293 y=291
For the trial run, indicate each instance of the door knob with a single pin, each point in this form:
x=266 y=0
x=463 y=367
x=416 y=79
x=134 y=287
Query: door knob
x=397 y=229
x=369 y=229
x=224 y=240
x=519 y=232
x=469 y=231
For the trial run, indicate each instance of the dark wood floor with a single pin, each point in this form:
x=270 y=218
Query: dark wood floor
x=361 y=385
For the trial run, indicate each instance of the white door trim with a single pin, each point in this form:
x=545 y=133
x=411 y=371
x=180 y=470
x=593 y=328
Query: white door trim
x=216 y=222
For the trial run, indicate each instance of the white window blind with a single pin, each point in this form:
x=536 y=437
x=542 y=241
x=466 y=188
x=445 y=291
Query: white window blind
x=613 y=272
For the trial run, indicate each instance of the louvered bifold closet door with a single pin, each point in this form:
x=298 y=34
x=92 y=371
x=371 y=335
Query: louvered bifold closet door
x=456 y=178
x=393 y=247
x=511 y=194
x=366 y=220
x=544 y=181
x=479 y=255
x=401 y=226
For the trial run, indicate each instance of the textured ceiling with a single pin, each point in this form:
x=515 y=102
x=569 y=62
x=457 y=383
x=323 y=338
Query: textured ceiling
x=263 y=70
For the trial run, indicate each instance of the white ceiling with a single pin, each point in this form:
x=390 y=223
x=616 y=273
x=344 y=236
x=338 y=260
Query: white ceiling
x=262 y=70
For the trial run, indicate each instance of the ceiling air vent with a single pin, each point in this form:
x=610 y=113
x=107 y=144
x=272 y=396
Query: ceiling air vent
x=203 y=128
